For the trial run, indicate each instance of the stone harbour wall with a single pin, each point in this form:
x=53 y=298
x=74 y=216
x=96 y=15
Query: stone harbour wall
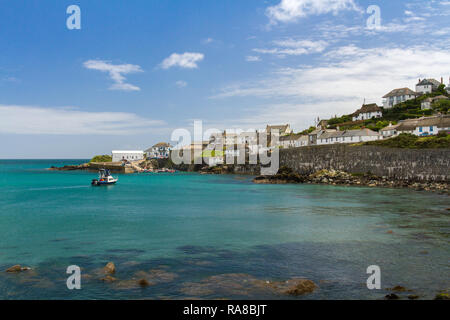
x=400 y=164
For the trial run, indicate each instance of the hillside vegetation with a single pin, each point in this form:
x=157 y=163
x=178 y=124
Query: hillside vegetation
x=410 y=109
x=411 y=141
x=103 y=158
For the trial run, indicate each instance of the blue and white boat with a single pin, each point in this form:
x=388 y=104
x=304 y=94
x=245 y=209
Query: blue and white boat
x=104 y=178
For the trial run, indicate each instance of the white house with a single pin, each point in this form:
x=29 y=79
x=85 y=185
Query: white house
x=159 y=151
x=425 y=126
x=282 y=130
x=349 y=136
x=427 y=86
x=368 y=111
x=397 y=96
x=426 y=104
x=118 y=156
x=294 y=141
x=389 y=131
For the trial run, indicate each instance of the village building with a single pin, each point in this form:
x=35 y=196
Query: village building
x=425 y=126
x=314 y=135
x=282 y=130
x=426 y=104
x=397 y=96
x=389 y=131
x=348 y=136
x=118 y=155
x=427 y=86
x=294 y=141
x=368 y=111
x=159 y=151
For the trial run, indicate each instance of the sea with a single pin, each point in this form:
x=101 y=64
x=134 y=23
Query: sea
x=195 y=236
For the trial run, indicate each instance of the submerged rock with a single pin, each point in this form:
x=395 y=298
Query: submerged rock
x=110 y=268
x=17 y=268
x=143 y=283
x=108 y=279
x=299 y=287
x=413 y=297
x=392 y=296
x=442 y=296
x=239 y=284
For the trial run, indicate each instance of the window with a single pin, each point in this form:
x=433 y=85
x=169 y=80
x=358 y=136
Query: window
x=420 y=129
x=431 y=128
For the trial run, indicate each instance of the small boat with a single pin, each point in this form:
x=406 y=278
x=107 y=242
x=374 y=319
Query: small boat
x=104 y=178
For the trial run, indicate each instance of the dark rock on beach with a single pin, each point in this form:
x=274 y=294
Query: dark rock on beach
x=335 y=177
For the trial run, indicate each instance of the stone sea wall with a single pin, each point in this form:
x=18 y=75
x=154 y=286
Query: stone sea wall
x=399 y=164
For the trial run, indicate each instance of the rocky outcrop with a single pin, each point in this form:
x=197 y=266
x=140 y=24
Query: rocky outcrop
x=297 y=287
x=110 y=268
x=335 y=177
x=17 y=268
x=84 y=166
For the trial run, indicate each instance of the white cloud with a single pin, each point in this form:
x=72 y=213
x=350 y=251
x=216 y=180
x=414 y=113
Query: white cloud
x=292 y=47
x=181 y=84
x=339 y=85
x=186 y=60
x=252 y=58
x=293 y=10
x=69 y=121
x=208 y=40
x=116 y=73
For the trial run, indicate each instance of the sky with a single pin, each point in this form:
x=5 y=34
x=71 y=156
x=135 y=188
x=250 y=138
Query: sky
x=137 y=70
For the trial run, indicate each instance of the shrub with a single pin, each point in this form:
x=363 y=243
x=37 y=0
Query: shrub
x=103 y=158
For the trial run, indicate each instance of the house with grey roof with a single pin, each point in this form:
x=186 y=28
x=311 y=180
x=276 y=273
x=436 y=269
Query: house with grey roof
x=427 y=86
x=294 y=141
x=397 y=96
x=349 y=136
x=390 y=130
x=282 y=130
x=426 y=104
x=159 y=151
x=425 y=126
x=368 y=111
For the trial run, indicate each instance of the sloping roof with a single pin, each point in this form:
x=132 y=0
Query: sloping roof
x=400 y=92
x=159 y=145
x=390 y=127
x=373 y=107
x=278 y=127
x=442 y=121
x=427 y=82
x=127 y=151
x=292 y=137
x=441 y=97
x=349 y=133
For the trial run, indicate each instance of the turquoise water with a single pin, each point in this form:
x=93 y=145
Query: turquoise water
x=194 y=231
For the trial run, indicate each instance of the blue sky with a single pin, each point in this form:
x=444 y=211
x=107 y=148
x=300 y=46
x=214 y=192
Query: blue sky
x=137 y=70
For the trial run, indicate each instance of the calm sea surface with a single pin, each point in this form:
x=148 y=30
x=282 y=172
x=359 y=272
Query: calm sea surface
x=197 y=236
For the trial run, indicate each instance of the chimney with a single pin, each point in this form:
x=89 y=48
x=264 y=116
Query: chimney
x=442 y=80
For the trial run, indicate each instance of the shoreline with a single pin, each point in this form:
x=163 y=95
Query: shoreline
x=341 y=178
x=286 y=175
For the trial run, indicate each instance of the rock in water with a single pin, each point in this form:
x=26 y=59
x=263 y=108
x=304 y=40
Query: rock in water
x=442 y=296
x=108 y=279
x=392 y=296
x=143 y=283
x=17 y=268
x=110 y=268
x=298 y=287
